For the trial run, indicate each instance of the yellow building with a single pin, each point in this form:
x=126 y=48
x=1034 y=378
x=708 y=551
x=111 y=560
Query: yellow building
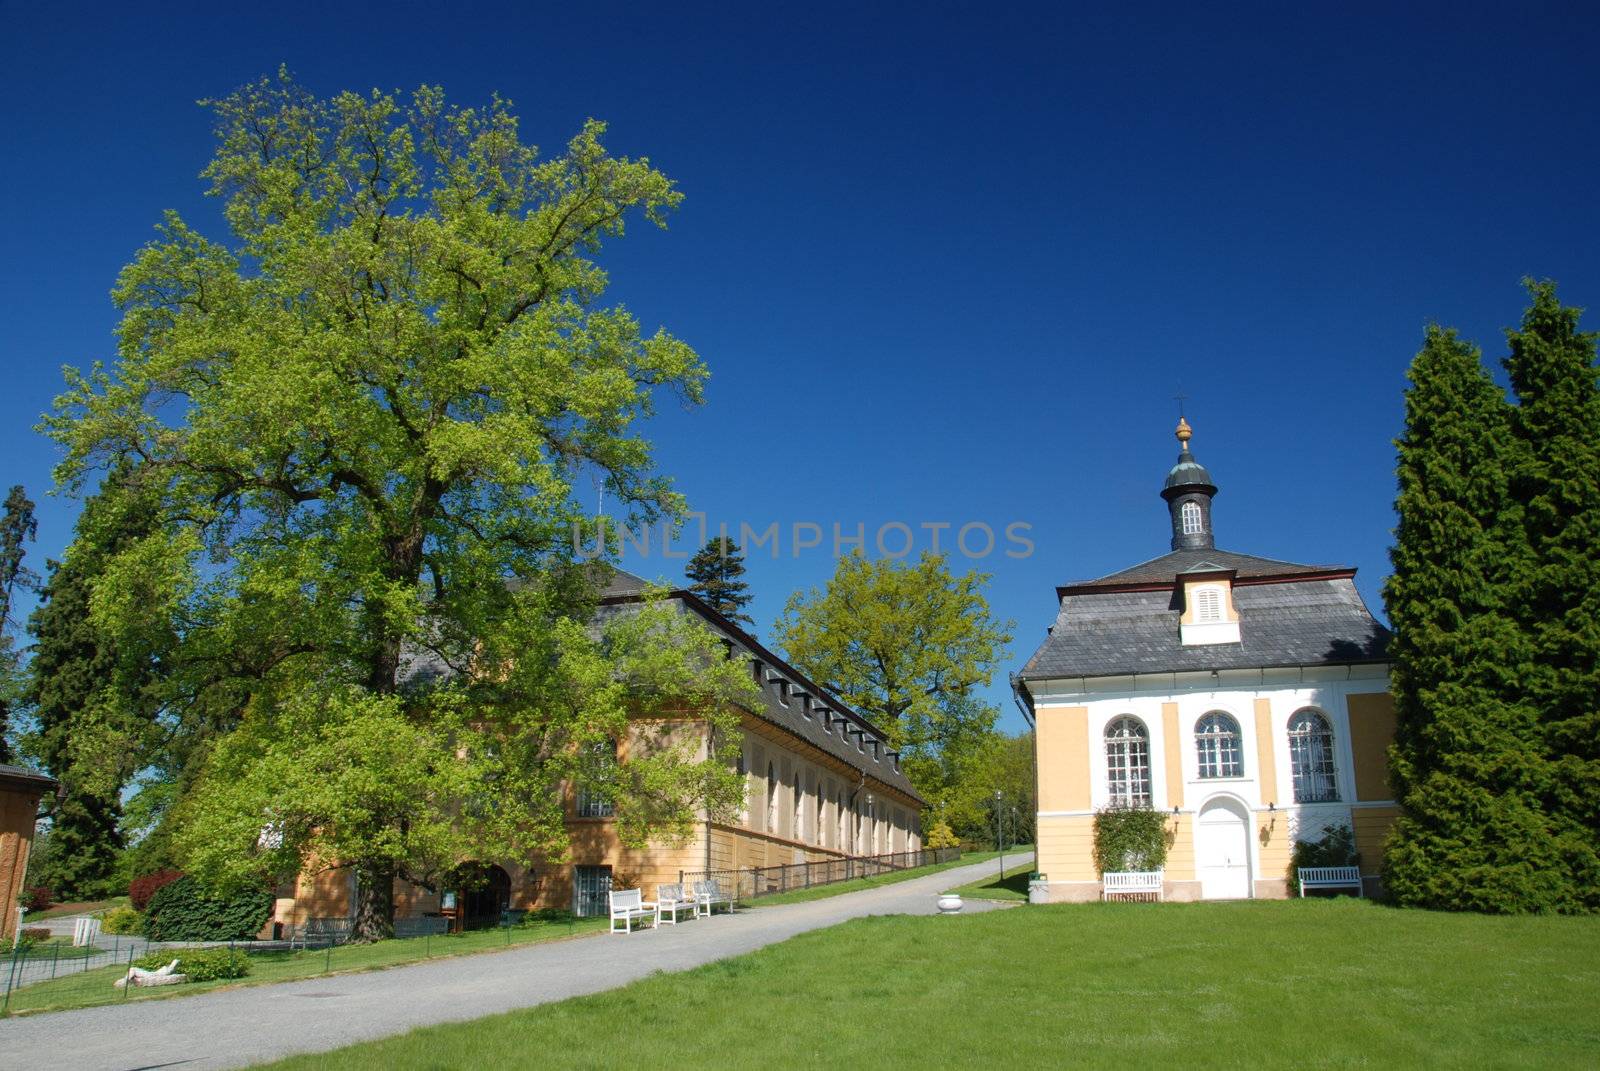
x=1247 y=699
x=821 y=785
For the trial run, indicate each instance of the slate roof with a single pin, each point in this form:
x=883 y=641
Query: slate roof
x=625 y=587
x=1289 y=615
x=22 y=777
x=421 y=666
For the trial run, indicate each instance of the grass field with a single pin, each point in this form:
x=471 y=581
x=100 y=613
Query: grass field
x=820 y=892
x=1012 y=885
x=88 y=988
x=1319 y=983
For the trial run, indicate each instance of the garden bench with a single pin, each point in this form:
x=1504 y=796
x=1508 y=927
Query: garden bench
x=671 y=899
x=425 y=926
x=1141 y=883
x=630 y=904
x=1328 y=877
x=321 y=932
x=708 y=894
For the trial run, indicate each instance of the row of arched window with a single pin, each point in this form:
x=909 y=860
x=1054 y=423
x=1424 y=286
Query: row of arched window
x=864 y=830
x=1219 y=748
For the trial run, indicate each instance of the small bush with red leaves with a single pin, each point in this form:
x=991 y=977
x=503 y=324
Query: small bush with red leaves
x=38 y=898
x=141 y=889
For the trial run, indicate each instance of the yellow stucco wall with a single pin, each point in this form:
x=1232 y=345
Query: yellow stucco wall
x=1229 y=613
x=1174 y=757
x=1066 y=848
x=1273 y=845
x=1063 y=744
x=1371 y=733
x=1180 y=848
x=1266 y=757
x=1371 y=826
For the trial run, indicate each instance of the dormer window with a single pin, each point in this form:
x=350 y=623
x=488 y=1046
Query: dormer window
x=783 y=690
x=760 y=670
x=805 y=705
x=827 y=721
x=1208 y=604
x=1189 y=513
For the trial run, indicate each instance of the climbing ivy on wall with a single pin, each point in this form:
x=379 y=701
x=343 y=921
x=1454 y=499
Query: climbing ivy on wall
x=1129 y=838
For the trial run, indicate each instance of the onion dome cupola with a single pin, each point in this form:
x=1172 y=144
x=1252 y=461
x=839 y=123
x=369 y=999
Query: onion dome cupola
x=1188 y=492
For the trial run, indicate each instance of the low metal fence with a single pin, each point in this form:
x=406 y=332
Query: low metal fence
x=749 y=883
x=55 y=974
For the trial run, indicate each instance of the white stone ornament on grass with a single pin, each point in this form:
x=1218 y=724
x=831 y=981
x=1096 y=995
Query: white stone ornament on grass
x=138 y=976
x=949 y=903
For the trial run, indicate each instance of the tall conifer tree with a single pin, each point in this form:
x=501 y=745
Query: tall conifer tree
x=1556 y=475
x=716 y=571
x=91 y=699
x=1466 y=764
x=17 y=527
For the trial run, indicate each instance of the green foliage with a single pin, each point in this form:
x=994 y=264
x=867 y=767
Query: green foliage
x=122 y=920
x=31 y=937
x=17 y=528
x=393 y=374
x=939 y=835
x=1336 y=847
x=1491 y=652
x=1129 y=838
x=909 y=645
x=200 y=964
x=184 y=910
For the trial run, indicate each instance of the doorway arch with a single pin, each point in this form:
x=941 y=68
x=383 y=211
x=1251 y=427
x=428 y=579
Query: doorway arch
x=483 y=892
x=1222 y=850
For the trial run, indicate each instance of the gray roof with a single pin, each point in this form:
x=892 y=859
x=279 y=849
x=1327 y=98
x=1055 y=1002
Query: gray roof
x=1286 y=618
x=22 y=777
x=794 y=716
x=422 y=666
x=1162 y=570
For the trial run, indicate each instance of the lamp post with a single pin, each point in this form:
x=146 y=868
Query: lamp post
x=999 y=833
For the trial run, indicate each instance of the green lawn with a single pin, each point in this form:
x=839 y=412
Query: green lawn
x=1013 y=885
x=1319 y=983
x=820 y=892
x=87 y=988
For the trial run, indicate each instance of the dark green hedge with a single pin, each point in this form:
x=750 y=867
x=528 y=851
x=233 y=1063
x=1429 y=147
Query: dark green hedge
x=1130 y=838
x=200 y=964
x=184 y=911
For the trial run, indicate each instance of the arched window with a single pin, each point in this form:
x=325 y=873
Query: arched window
x=1311 y=758
x=744 y=789
x=1192 y=522
x=1208 y=604
x=772 y=798
x=1216 y=738
x=799 y=828
x=843 y=843
x=593 y=800
x=1128 y=763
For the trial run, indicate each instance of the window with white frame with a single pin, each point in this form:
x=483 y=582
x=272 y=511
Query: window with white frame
x=1208 y=604
x=843 y=843
x=1128 y=762
x=1311 y=758
x=1217 y=742
x=592 y=801
x=799 y=827
x=1193 y=524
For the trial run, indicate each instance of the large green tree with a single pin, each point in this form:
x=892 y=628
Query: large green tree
x=1466 y=764
x=716 y=575
x=94 y=704
x=1555 y=477
x=17 y=528
x=908 y=645
x=365 y=412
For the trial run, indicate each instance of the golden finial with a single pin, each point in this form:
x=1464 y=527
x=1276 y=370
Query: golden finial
x=1184 y=433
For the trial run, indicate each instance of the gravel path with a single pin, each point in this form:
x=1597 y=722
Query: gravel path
x=243 y=1026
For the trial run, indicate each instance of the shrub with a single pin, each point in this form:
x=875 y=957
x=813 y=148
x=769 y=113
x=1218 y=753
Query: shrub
x=1129 y=838
x=38 y=898
x=547 y=914
x=940 y=835
x=141 y=889
x=122 y=920
x=200 y=964
x=1336 y=847
x=32 y=936
x=184 y=911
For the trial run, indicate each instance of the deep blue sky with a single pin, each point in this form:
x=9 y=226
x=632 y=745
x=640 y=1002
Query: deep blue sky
x=945 y=265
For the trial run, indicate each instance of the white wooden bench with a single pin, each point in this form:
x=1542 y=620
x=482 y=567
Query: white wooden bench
x=671 y=899
x=1329 y=877
x=1141 y=883
x=630 y=904
x=708 y=894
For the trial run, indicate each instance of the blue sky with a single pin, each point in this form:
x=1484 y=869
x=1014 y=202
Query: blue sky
x=947 y=263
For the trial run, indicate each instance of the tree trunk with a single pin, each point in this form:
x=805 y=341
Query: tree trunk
x=374 y=902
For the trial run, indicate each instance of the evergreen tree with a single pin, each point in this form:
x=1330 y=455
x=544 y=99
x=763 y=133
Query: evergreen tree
x=1466 y=764
x=17 y=527
x=1556 y=475
x=716 y=569
x=84 y=693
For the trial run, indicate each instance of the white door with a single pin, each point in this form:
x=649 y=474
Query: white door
x=1222 y=851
